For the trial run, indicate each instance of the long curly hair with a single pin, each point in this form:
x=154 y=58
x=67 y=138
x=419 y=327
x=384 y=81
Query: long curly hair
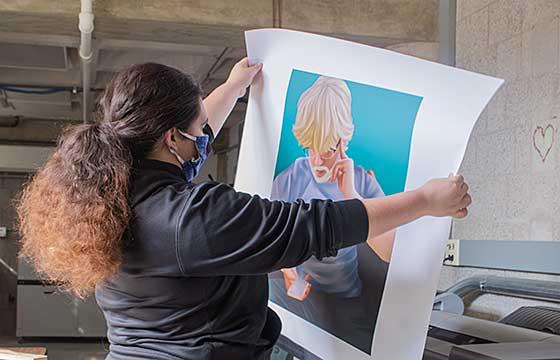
x=73 y=214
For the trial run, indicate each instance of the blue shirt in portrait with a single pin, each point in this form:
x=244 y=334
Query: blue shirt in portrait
x=337 y=275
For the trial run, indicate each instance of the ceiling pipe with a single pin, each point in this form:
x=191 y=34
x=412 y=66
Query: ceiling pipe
x=85 y=25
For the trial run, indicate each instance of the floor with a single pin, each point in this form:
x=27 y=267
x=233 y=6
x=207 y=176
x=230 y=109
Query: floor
x=67 y=349
x=95 y=349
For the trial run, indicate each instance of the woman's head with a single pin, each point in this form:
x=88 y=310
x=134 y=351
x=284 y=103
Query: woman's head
x=145 y=103
x=75 y=210
x=324 y=122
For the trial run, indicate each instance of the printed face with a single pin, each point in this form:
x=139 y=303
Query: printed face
x=322 y=163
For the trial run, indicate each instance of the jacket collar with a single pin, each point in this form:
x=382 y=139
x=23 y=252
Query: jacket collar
x=157 y=165
x=149 y=176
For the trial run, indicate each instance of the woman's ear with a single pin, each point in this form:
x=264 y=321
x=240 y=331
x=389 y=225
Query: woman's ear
x=169 y=138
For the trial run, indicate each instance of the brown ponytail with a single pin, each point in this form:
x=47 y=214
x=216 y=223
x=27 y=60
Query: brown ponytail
x=74 y=212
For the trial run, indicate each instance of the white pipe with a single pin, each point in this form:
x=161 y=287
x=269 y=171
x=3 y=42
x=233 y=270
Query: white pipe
x=85 y=25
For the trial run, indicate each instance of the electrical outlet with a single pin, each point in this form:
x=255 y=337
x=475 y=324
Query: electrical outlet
x=3 y=232
x=451 y=256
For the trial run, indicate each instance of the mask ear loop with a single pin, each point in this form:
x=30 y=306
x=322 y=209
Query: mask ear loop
x=187 y=135
x=191 y=138
x=174 y=152
x=176 y=155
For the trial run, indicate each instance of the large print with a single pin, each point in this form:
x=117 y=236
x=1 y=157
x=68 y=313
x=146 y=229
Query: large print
x=329 y=119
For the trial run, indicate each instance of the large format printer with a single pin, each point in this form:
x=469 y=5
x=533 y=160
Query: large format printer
x=528 y=333
x=458 y=337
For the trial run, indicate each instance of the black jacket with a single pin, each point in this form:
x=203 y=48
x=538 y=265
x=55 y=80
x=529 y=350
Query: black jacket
x=193 y=279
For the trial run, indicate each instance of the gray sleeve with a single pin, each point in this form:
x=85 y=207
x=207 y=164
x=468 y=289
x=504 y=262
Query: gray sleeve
x=224 y=232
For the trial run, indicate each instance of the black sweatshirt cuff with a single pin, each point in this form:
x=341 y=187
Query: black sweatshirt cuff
x=353 y=224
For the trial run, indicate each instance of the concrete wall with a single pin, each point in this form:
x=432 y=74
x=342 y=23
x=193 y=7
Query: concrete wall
x=422 y=50
x=514 y=187
x=218 y=22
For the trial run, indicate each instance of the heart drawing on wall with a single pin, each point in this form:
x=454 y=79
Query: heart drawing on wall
x=543 y=139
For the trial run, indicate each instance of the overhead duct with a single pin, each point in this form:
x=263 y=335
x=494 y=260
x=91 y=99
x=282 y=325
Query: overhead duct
x=32 y=56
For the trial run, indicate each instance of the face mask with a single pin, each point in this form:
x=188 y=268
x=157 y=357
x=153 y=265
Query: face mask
x=192 y=167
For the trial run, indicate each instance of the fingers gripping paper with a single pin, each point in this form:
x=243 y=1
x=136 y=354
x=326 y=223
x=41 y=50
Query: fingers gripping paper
x=327 y=119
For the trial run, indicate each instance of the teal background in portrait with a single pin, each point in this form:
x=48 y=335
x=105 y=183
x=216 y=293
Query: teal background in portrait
x=383 y=122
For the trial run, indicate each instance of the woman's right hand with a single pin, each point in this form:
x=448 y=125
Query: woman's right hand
x=242 y=75
x=447 y=197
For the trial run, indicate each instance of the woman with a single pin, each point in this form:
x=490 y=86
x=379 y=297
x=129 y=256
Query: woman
x=179 y=269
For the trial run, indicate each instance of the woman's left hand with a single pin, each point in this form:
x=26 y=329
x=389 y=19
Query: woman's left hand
x=242 y=75
x=343 y=173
